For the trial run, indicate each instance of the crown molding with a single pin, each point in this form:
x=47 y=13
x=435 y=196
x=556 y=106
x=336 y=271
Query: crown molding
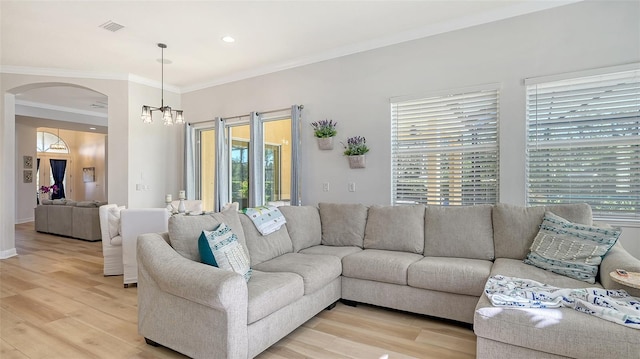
x=406 y=36
x=41 y=71
x=153 y=83
x=45 y=106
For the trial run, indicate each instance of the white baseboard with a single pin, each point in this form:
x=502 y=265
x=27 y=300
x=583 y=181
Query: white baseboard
x=25 y=220
x=8 y=253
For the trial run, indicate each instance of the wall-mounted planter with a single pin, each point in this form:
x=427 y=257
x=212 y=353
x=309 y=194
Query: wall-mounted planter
x=325 y=143
x=358 y=161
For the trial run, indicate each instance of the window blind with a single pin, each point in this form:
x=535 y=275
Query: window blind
x=584 y=143
x=445 y=149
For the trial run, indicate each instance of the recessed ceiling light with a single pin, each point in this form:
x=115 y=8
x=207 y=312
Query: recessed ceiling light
x=92 y=128
x=228 y=38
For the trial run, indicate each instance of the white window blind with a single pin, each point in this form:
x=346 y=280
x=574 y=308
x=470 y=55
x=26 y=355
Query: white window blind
x=584 y=143
x=445 y=149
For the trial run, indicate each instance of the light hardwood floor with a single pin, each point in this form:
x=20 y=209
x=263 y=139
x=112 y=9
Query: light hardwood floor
x=55 y=303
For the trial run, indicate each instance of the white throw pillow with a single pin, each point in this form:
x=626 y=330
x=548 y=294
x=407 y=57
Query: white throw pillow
x=113 y=218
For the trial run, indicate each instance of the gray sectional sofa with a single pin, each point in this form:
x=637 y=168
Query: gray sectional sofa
x=69 y=218
x=427 y=260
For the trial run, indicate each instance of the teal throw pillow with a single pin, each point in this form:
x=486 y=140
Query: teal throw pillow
x=221 y=248
x=569 y=249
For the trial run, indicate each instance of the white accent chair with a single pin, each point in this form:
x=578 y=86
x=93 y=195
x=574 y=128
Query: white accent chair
x=111 y=239
x=134 y=222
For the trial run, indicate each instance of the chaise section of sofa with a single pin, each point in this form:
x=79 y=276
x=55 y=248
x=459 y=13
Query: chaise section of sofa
x=548 y=333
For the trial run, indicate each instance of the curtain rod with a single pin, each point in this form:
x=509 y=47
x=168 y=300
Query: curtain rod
x=248 y=115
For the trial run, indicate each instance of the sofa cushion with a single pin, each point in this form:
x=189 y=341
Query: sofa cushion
x=269 y=292
x=570 y=249
x=262 y=248
x=518 y=269
x=562 y=331
x=303 y=225
x=395 y=228
x=184 y=231
x=336 y=251
x=459 y=231
x=316 y=270
x=450 y=275
x=514 y=227
x=220 y=248
x=343 y=224
x=379 y=265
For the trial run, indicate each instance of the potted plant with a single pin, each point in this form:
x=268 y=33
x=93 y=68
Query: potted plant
x=324 y=131
x=355 y=149
x=48 y=190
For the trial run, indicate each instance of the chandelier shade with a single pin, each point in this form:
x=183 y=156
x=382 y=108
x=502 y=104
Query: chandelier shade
x=168 y=117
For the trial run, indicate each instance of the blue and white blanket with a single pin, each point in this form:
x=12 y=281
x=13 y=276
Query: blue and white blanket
x=267 y=219
x=613 y=305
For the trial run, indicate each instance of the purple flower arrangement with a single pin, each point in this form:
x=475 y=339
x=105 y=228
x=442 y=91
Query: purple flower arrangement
x=47 y=189
x=355 y=146
x=324 y=128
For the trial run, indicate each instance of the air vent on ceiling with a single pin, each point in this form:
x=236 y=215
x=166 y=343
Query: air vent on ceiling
x=111 y=26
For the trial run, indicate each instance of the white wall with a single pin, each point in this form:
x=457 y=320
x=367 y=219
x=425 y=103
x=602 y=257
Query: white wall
x=355 y=90
x=155 y=150
x=25 y=193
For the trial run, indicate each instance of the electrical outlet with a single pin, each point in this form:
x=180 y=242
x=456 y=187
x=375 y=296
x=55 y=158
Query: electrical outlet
x=325 y=187
x=352 y=186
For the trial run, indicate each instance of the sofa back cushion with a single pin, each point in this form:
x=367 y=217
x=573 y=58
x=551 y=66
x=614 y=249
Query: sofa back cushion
x=343 y=224
x=515 y=227
x=262 y=248
x=184 y=230
x=303 y=225
x=459 y=231
x=395 y=228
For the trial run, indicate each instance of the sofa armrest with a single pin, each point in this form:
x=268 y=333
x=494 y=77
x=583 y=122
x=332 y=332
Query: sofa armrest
x=180 y=302
x=182 y=277
x=618 y=258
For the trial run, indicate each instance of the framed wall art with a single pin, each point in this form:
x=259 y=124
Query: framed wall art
x=27 y=161
x=27 y=176
x=89 y=174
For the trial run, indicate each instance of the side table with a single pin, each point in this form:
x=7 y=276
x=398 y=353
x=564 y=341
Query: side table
x=631 y=280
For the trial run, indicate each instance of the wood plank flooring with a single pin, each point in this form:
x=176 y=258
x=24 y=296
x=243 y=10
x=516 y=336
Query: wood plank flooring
x=55 y=303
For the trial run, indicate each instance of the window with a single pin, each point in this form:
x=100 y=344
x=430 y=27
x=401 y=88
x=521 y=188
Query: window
x=44 y=140
x=221 y=165
x=584 y=143
x=445 y=149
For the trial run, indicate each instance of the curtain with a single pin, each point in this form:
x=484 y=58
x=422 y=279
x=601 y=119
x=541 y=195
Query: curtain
x=58 y=167
x=189 y=163
x=37 y=189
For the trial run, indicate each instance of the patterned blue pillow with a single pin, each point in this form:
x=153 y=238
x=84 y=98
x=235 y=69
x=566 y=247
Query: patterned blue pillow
x=573 y=250
x=221 y=248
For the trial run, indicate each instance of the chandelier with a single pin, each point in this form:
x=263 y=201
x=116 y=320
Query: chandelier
x=168 y=116
x=58 y=145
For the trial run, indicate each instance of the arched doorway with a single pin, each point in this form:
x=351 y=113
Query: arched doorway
x=18 y=187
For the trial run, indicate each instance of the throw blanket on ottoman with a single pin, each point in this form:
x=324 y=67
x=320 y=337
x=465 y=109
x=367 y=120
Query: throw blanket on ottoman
x=613 y=305
x=267 y=219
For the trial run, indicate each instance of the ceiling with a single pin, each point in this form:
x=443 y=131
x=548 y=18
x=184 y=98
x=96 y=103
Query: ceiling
x=65 y=36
